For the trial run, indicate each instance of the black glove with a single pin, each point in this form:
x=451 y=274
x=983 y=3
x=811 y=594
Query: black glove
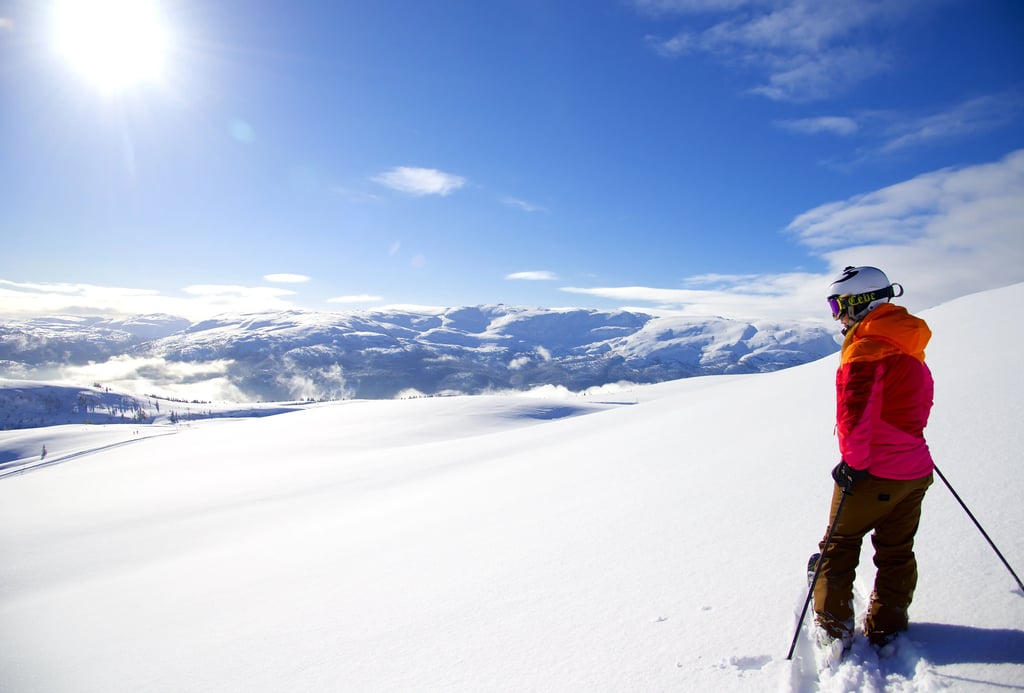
x=846 y=476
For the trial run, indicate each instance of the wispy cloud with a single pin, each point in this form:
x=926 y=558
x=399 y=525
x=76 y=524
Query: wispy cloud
x=287 y=278
x=19 y=299
x=942 y=234
x=231 y=292
x=750 y=297
x=46 y=298
x=976 y=115
x=356 y=298
x=836 y=125
x=803 y=77
x=883 y=133
x=420 y=181
x=536 y=276
x=666 y=297
x=523 y=205
x=353 y=195
x=688 y=6
x=804 y=49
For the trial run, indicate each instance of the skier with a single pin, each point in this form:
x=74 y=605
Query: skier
x=883 y=398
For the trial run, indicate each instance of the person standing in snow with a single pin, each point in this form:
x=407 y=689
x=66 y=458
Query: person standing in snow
x=884 y=394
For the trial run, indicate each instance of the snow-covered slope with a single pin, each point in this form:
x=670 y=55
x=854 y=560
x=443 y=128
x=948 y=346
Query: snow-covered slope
x=382 y=354
x=650 y=539
x=77 y=340
x=29 y=404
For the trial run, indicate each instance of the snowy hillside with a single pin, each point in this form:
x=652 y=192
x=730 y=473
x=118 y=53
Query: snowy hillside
x=648 y=539
x=78 y=340
x=28 y=404
x=41 y=411
x=382 y=354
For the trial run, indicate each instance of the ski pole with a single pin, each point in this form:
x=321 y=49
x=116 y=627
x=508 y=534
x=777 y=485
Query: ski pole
x=980 y=529
x=817 y=572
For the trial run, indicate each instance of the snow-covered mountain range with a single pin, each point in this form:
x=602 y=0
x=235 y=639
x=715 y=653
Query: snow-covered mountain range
x=290 y=355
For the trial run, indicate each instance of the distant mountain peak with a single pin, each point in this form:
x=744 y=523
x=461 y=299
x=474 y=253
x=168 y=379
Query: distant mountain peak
x=298 y=354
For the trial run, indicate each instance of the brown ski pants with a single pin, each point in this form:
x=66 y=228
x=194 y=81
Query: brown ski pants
x=892 y=508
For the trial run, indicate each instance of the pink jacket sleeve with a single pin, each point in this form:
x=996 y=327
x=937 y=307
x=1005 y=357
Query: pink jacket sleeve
x=858 y=410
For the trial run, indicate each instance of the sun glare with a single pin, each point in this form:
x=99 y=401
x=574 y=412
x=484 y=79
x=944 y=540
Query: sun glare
x=113 y=44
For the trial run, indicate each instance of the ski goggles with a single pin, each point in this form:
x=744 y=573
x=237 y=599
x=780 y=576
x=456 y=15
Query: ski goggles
x=836 y=304
x=842 y=304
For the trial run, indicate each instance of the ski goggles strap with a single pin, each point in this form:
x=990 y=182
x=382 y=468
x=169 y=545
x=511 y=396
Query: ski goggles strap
x=840 y=304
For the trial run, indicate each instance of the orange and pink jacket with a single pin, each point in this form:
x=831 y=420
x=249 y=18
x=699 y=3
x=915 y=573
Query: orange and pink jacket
x=884 y=394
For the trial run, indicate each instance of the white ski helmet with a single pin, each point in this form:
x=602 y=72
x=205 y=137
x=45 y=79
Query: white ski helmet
x=859 y=290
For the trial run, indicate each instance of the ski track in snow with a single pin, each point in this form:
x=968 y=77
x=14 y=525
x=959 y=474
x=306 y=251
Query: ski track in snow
x=900 y=667
x=52 y=460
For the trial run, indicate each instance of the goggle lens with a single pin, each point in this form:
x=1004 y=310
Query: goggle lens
x=837 y=306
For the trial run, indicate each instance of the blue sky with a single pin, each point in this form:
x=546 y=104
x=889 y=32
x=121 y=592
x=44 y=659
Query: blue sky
x=721 y=157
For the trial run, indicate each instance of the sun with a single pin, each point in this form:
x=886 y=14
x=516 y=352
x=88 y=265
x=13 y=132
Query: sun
x=112 y=44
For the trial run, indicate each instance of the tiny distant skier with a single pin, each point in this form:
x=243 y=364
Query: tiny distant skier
x=883 y=398
x=42 y=455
